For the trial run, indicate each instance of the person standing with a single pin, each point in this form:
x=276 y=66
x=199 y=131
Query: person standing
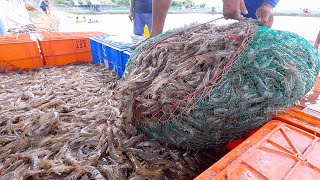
x=45 y=6
x=141 y=15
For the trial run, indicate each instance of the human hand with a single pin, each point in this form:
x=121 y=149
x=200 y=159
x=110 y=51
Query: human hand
x=232 y=9
x=131 y=16
x=265 y=15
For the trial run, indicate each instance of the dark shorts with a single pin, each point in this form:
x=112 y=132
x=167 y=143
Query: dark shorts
x=44 y=8
x=141 y=19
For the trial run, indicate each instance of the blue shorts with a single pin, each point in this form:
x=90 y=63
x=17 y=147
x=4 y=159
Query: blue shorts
x=44 y=8
x=141 y=19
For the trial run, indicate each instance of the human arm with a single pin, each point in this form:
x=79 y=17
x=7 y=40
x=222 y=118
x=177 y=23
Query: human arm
x=48 y=3
x=131 y=13
x=316 y=44
x=159 y=13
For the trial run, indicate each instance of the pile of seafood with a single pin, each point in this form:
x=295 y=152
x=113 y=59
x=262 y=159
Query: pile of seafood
x=172 y=68
x=178 y=65
x=62 y=123
x=205 y=85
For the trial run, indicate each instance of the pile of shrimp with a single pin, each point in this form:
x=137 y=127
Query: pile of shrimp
x=63 y=123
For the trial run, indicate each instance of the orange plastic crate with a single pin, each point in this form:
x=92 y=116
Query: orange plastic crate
x=277 y=151
x=233 y=144
x=19 y=52
x=66 y=35
x=68 y=58
x=59 y=48
x=17 y=37
x=302 y=120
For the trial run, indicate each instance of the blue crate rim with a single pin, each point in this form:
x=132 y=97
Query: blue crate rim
x=113 y=46
x=128 y=52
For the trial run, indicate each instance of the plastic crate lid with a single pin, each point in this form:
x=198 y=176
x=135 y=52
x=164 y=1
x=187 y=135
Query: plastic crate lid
x=16 y=38
x=306 y=119
x=44 y=36
x=128 y=52
x=120 y=42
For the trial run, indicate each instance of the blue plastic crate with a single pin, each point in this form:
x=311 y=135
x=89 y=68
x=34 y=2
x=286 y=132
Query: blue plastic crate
x=114 y=55
x=96 y=47
x=127 y=53
x=113 y=48
x=120 y=42
x=100 y=60
x=120 y=69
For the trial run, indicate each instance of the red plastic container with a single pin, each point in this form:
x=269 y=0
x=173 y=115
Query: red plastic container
x=59 y=48
x=278 y=150
x=19 y=51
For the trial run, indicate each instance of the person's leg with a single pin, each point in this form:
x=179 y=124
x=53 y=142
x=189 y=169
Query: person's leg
x=159 y=14
x=138 y=24
x=2 y=27
x=148 y=20
x=316 y=44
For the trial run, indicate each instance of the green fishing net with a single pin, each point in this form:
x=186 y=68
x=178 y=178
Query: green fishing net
x=271 y=72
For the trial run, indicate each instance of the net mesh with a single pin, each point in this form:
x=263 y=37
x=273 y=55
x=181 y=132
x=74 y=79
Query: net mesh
x=205 y=85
